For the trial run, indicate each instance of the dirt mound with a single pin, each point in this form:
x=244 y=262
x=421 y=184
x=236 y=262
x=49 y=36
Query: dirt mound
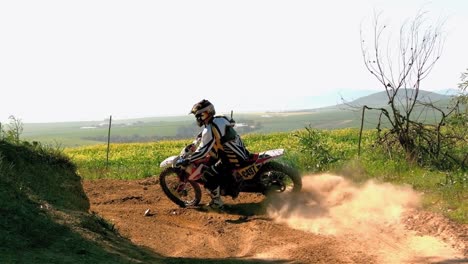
x=332 y=221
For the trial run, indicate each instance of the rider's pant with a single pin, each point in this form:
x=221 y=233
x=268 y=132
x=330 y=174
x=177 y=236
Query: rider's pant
x=218 y=174
x=212 y=175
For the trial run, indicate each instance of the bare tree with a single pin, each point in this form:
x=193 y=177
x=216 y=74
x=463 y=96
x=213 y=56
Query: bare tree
x=400 y=68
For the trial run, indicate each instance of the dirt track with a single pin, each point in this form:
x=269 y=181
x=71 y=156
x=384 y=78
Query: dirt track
x=332 y=221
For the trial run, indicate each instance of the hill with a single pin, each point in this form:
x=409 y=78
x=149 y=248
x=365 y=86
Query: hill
x=380 y=99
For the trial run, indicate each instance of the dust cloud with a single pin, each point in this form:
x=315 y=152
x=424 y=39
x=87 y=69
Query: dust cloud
x=368 y=215
x=331 y=204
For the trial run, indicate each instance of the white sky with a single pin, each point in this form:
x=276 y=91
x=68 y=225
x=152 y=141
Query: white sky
x=85 y=60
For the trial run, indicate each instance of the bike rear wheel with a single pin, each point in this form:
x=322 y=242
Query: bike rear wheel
x=182 y=193
x=280 y=178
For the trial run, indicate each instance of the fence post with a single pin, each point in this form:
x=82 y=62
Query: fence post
x=360 y=131
x=108 y=141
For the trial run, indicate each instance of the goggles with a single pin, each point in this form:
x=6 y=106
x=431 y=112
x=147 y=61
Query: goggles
x=199 y=117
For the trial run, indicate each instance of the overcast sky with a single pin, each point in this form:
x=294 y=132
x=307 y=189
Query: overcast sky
x=85 y=60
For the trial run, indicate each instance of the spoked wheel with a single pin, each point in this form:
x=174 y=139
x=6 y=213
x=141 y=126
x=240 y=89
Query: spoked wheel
x=182 y=193
x=280 y=178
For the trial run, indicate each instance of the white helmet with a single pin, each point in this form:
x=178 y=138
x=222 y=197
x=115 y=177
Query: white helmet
x=201 y=107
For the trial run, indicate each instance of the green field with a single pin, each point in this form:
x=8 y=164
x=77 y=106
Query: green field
x=73 y=134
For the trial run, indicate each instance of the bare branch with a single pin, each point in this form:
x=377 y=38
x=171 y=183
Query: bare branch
x=416 y=52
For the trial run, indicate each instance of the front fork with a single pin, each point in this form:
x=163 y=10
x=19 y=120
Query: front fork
x=180 y=188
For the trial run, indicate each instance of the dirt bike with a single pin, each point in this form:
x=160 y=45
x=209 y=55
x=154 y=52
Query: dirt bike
x=182 y=184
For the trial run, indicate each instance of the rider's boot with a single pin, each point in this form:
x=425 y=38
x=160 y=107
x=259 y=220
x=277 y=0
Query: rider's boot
x=216 y=201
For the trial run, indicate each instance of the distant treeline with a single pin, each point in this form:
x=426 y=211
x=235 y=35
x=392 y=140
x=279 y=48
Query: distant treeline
x=183 y=132
x=135 y=138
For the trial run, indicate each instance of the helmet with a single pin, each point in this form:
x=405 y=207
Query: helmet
x=204 y=106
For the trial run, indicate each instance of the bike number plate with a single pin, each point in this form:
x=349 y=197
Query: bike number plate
x=248 y=172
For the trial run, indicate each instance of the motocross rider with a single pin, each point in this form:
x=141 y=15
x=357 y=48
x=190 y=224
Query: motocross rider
x=223 y=144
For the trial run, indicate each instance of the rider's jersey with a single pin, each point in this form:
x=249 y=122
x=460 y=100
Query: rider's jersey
x=220 y=140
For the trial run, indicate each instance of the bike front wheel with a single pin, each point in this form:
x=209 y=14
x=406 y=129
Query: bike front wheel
x=182 y=193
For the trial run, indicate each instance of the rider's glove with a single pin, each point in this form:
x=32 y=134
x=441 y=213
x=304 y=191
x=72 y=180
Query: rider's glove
x=182 y=162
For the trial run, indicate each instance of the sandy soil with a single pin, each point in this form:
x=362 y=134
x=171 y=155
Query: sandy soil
x=331 y=221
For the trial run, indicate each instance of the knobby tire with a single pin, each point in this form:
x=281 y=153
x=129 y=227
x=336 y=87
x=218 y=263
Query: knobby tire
x=172 y=172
